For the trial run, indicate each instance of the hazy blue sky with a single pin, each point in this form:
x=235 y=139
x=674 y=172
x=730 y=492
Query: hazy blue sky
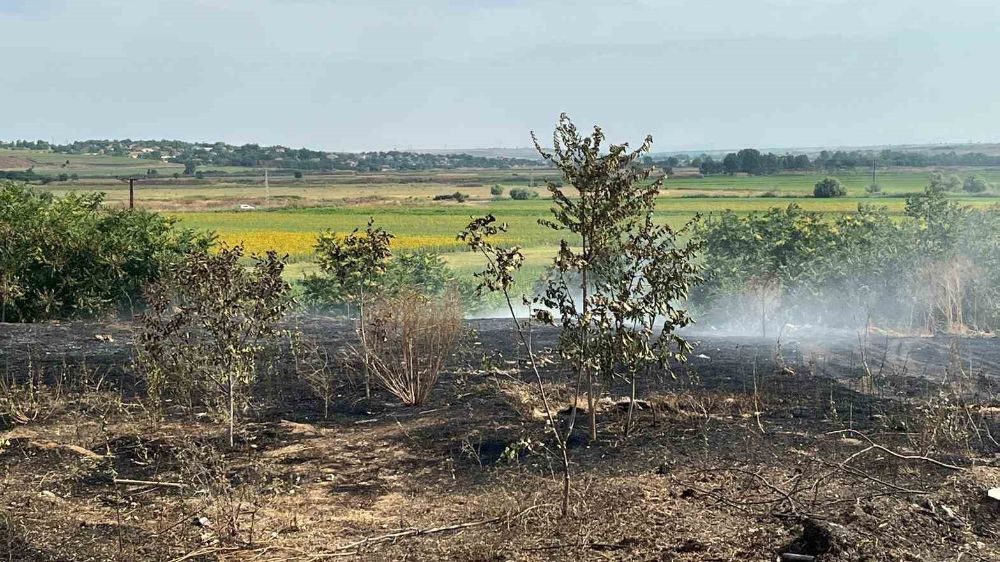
x=378 y=74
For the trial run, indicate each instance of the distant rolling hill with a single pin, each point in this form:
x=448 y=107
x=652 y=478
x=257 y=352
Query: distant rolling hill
x=525 y=152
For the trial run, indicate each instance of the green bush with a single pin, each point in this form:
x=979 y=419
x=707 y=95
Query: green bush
x=975 y=184
x=423 y=271
x=935 y=268
x=70 y=257
x=522 y=194
x=942 y=182
x=457 y=196
x=829 y=187
x=496 y=190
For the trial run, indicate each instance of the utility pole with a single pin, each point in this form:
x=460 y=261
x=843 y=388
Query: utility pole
x=873 y=171
x=131 y=191
x=267 y=190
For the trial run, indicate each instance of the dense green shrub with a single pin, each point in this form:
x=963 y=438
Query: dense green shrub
x=829 y=187
x=937 y=269
x=496 y=190
x=942 y=182
x=424 y=271
x=975 y=184
x=71 y=257
x=749 y=260
x=522 y=194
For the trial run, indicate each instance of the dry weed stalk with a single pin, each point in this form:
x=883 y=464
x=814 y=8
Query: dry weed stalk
x=312 y=366
x=410 y=338
x=945 y=283
x=9 y=531
x=25 y=401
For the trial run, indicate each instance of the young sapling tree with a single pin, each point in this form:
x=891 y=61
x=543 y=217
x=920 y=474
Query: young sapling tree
x=502 y=265
x=207 y=323
x=357 y=263
x=616 y=273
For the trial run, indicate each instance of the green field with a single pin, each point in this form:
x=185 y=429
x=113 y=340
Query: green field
x=290 y=213
x=895 y=182
x=425 y=226
x=83 y=165
x=294 y=230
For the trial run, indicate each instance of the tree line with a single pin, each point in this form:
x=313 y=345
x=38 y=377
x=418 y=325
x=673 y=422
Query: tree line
x=756 y=163
x=253 y=155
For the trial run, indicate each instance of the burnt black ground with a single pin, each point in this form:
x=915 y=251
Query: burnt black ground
x=106 y=348
x=670 y=491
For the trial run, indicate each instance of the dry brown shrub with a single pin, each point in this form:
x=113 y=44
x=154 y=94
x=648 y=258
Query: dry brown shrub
x=411 y=337
x=945 y=286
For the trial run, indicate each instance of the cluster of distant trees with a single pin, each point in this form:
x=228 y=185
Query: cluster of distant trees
x=754 y=162
x=29 y=175
x=253 y=155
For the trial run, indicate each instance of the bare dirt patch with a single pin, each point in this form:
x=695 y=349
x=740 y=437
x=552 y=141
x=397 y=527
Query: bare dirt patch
x=15 y=163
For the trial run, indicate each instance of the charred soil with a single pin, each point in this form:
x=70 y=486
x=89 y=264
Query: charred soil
x=828 y=445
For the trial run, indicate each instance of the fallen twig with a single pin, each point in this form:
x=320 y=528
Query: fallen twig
x=888 y=451
x=368 y=541
x=203 y=552
x=864 y=475
x=128 y=482
x=784 y=497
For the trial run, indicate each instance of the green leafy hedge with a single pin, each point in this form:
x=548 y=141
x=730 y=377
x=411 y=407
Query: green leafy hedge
x=71 y=257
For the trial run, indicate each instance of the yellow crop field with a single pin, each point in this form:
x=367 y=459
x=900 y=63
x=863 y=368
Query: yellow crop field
x=299 y=245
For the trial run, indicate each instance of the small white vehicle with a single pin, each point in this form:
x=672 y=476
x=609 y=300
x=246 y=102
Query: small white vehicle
x=245 y=207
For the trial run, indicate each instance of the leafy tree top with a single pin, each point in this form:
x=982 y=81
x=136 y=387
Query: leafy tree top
x=357 y=261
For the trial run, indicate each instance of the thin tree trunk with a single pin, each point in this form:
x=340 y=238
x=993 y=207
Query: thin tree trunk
x=586 y=340
x=232 y=412
x=763 y=313
x=560 y=440
x=631 y=408
x=364 y=344
x=591 y=405
x=566 y=481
